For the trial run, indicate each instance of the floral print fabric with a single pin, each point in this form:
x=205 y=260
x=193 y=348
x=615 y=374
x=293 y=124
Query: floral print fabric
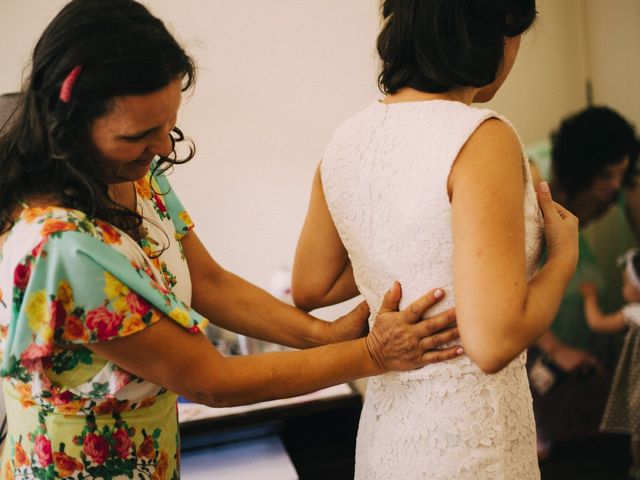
x=67 y=280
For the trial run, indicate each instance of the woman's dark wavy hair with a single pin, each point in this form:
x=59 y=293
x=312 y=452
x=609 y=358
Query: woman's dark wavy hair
x=45 y=147
x=589 y=141
x=436 y=45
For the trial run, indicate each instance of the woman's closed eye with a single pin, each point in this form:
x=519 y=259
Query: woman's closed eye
x=136 y=138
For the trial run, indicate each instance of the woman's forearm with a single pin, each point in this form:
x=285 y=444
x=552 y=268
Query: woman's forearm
x=514 y=329
x=255 y=378
x=251 y=311
x=544 y=295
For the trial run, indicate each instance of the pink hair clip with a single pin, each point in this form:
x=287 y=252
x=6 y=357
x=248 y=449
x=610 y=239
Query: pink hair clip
x=69 y=82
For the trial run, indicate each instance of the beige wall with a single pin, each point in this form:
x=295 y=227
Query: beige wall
x=614 y=54
x=548 y=79
x=613 y=29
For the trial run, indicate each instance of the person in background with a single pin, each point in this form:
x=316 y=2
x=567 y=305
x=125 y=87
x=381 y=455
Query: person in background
x=622 y=413
x=105 y=287
x=593 y=168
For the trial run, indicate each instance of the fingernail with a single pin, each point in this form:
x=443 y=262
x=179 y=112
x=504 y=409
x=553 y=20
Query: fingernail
x=544 y=187
x=438 y=293
x=460 y=350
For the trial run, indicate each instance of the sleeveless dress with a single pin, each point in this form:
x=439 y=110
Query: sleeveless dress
x=384 y=176
x=67 y=280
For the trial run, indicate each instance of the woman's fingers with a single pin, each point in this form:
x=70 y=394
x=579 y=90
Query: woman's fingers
x=441 y=338
x=434 y=324
x=563 y=212
x=435 y=356
x=416 y=310
x=560 y=228
x=391 y=299
x=398 y=340
x=547 y=205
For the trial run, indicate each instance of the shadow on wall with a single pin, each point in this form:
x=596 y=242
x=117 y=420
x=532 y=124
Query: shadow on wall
x=8 y=103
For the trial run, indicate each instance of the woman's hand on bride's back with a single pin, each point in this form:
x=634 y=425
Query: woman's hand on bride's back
x=403 y=340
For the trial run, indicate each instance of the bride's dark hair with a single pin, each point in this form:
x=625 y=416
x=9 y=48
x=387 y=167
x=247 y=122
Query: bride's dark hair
x=436 y=45
x=44 y=147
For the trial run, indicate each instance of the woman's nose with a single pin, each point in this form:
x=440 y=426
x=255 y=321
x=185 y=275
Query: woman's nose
x=161 y=144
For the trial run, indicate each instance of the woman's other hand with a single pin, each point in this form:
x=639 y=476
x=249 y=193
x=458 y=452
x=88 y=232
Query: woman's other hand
x=404 y=340
x=350 y=326
x=560 y=228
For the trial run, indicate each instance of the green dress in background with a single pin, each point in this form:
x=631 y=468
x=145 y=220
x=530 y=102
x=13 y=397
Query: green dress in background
x=570 y=325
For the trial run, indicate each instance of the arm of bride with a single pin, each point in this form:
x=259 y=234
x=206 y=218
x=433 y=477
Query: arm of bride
x=322 y=272
x=499 y=311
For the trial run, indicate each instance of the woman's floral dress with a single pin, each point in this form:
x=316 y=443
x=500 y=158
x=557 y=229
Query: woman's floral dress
x=67 y=280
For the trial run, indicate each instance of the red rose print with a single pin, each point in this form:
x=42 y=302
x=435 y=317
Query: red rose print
x=137 y=304
x=33 y=355
x=21 y=276
x=36 y=250
x=42 y=447
x=159 y=203
x=96 y=447
x=35 y=352
x=122 y=443
x=64 y=398
x=109 y=233
x=58 y=314
x=105 y=322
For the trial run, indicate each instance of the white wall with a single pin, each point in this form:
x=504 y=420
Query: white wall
x=548 y=79
x=614 y=54
x=276 y=78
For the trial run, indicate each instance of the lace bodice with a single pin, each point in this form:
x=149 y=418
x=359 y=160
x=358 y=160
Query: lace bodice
x=384 y=176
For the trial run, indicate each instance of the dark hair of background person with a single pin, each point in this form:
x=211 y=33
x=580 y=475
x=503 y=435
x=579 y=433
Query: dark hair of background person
x=45 y=147
x=586 y=143
x=636 y=263
x=436 y=45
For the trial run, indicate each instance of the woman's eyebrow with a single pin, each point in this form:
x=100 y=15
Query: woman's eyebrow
x=139 y=134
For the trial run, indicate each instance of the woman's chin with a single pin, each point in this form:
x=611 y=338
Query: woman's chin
x=129 y=175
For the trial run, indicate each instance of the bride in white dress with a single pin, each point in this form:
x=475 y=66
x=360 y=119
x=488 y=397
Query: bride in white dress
x=422 y=188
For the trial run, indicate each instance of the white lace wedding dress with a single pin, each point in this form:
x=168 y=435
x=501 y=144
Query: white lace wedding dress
x=384 y=176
